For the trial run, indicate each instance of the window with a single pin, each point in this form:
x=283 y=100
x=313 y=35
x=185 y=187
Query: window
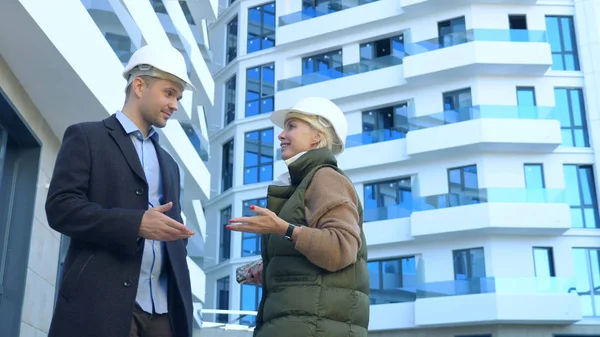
x=543 y=261
x=385 y=124
x=121 y=45
x=457 y=106
x=452 y=32
x=517 y=22
x=385 y=47
x=463 y=187
x=587 y=278
x=258 y=156
x=323 y=63
x=561 y=35
x=260 y=90
x=387 y=278
x=261 y=27
x=62 y=255
x=227 y=167
x=251 y=243
x=469 y=264
x=250 y=300
x=570 y=108
x=230 y=93
x=526 y=102
x=232 y=36
x=223 y=299
x=534 y=175
x=581 y=195
x=225 y=237
x=388 y=200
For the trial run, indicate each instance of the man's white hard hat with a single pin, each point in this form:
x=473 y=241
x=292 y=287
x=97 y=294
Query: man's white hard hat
x=164 y=58
x=318 y=106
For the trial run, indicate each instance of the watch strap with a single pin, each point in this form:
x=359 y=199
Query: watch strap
x=290 y=231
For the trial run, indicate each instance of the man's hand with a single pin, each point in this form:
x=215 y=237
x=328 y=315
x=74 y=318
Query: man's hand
x=157 y=226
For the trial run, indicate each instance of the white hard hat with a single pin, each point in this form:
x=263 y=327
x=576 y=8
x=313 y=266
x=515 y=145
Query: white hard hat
x=318 y=106
x=162 y=57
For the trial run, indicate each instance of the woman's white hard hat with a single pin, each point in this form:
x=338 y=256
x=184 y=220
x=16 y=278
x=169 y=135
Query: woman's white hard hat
x=318 y=106
x=164 y=58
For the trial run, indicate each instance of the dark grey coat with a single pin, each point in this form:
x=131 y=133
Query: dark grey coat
x=97 y=196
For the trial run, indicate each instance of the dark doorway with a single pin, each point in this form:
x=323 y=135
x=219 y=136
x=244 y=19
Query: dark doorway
x=19 y=163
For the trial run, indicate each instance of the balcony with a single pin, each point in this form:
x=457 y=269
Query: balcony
x=348 y=80
x=329 y=17
x=524 y=211
x=415 y=8
x=199 y=142
x=497 y=300
x=484 y=128
x=375 y=136
x=478 y=52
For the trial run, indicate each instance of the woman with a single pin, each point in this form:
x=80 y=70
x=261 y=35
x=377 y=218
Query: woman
x=314 y=256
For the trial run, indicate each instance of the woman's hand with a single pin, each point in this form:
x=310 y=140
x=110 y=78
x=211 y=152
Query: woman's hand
x=266 y=222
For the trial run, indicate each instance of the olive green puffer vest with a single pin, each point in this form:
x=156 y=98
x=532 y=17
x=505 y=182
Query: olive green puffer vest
x=299 y=298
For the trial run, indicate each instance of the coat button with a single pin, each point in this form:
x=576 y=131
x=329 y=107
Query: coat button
x=139 y=191
x=127 y=283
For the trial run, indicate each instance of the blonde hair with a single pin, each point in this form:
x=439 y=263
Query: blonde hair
x=320 y=125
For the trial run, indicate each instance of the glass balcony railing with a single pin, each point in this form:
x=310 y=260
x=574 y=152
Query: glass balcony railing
x=397 y=295
x=339 y=72
x=387 y=212
x=495 y=195
x=481 y=111
x=198 y=142
x=323 y=8
x=375 y=136
x=497 y=285
x=491 y=35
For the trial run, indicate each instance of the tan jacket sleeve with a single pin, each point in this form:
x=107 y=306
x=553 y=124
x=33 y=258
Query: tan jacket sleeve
x=332 y=238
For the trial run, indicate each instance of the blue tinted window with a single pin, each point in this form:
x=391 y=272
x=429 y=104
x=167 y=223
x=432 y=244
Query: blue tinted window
x=384 y=47
x=543 y=262
x=223 y=299
x=581 y=195
x=260 y=90
x=251 y=243
x=230 y=93
x=462 y=184
x=326 y=62
x=388 y=200
x=250 y=300
x=526 y=96
x=225 y=235
x=534 y=175
x=227 y=166
x=561 y=35
x=587 y=278
x=393 y=281
x=469 y=264
x=261 y=27
x=258 y=156
x=570 y=111
x=232 y=37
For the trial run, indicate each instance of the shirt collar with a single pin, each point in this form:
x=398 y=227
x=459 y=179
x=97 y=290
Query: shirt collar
x=131 y=128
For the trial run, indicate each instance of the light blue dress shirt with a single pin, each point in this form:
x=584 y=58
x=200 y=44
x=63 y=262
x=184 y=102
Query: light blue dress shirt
x=152 y=287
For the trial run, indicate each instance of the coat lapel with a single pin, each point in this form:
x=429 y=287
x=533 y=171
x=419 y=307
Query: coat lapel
x=124 y=142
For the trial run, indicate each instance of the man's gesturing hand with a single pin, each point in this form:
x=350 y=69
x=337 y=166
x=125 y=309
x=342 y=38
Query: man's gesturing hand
x=157 y=226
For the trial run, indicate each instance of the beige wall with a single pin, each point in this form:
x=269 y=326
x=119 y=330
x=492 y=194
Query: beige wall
x=43 y=256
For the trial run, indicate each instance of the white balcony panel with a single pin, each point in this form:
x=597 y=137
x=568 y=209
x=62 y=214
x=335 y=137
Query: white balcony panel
x=197 y=177
x=203 y=9
x=64 y=75
x=359 y=84
x=539 y=308
x=423 y=7
x=331 y=23
x=206 y=90
x=199 y=212
x=395 y=151
x=392 y=316
x=198 y=280
x=145 y=18
x=502 y=218
x=489 y=134
x=387 y=231
x=478 y=58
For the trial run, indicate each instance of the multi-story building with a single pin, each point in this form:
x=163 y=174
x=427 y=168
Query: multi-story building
x=61 y=63
x=472 y=133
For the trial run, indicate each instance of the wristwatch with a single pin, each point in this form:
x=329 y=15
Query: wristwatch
x=289 y=232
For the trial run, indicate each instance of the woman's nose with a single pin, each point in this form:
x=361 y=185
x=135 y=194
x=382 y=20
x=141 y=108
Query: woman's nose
x=281 y=137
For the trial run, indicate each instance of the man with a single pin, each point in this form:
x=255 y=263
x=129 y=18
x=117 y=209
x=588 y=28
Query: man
x=115 y=193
